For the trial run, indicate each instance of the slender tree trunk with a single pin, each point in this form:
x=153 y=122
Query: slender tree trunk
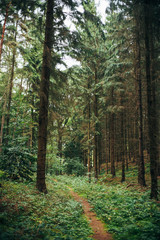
x=109 y=146
x=112 y=140
x=151 y=103
x=2 y=121
x=60 y=144
x=32 y=125
x=141 y=169
x=5 y=101
x=3 y=30
x=89 y=158
x=128 y=136
x=96 y=131
x=126 y=145
x=106 y=144
x=11 y=83
x=99 y=149
x=44 y=94
x=112 y=147
x=122 y=144
x=96 y=150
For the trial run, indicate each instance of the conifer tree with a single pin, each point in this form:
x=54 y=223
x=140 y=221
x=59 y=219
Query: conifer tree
x=149 y=7
x=44 y=95
x=138 y=77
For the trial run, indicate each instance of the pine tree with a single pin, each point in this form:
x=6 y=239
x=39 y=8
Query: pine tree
x=151 y=99
x=138 y=77
x=44 y=94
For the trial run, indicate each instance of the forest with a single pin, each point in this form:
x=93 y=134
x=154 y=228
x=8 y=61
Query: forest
x=79 y=120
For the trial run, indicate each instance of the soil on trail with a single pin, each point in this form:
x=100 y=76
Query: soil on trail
x=96 y=225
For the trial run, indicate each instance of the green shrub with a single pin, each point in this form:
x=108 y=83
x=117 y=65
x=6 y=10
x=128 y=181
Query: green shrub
x=17 y=161
x=74 y=166
x=55 y=167
x=73 y=150
x=2 y=175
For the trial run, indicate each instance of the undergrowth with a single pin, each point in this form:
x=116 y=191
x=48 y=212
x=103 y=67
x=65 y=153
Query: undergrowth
x=129 y=214
x=125 y=208
x=26 y=214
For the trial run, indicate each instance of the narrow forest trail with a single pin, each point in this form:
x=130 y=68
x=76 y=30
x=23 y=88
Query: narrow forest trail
x=96 y=225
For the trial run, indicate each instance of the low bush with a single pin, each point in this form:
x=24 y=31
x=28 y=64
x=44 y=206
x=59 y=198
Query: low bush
x=17 y=161
x=74 y=166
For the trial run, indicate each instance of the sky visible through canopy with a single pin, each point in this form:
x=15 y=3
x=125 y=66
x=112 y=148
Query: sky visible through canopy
x=101 y=8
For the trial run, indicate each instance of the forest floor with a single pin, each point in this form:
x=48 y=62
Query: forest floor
x=99 y=231
x=97 y=226
x=75 y=209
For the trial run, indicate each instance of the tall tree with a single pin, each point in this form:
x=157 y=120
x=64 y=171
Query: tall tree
x=11 y=80
x=112 y=136
x=122 y=143
x=4 y=28
x=151 y=99
x=44 y=94
x=138 y=77
x=89 y=133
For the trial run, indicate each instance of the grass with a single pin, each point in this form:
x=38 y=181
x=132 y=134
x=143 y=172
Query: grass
x=125 y=208
x=127 y=211
x=26 y=214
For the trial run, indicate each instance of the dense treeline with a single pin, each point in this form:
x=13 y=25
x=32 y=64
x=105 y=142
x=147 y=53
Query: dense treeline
x=99 y=114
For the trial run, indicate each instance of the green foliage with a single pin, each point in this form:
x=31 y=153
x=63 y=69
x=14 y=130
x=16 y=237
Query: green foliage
x=2 y=175
x=27 y=214
x=17 y=161
x=55 y=167
x=129 y=214
x=73 y=150
x=74 y=166
x=73 y=159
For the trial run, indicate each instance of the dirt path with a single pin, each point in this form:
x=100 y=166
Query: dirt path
x=96 y=225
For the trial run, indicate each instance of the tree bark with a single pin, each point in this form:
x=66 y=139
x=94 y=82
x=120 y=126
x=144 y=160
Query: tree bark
x=60 y=144
x=112 y=140
x=122 y=144
x=2 y=121
x=151 y=103
x=4 y=28
x=11 y=83
x=89 y=158
x=106 y=144
x=141 y=169
x=96 y=130
x=44 y=95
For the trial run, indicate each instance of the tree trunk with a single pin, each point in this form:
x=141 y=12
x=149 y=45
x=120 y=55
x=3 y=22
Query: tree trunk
x=106 y=144
x=96 y=131
x=112 y=140
x=2 y=121
x=126 y=145
x=32 y=127
x=89 y=158
x=141 y=170
x=5 y=101
x=99 y=149
x=44 y=94
x=60 y=144
x=11 y=83
x=151 y=103
x=122 y=144
x=3 y=30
